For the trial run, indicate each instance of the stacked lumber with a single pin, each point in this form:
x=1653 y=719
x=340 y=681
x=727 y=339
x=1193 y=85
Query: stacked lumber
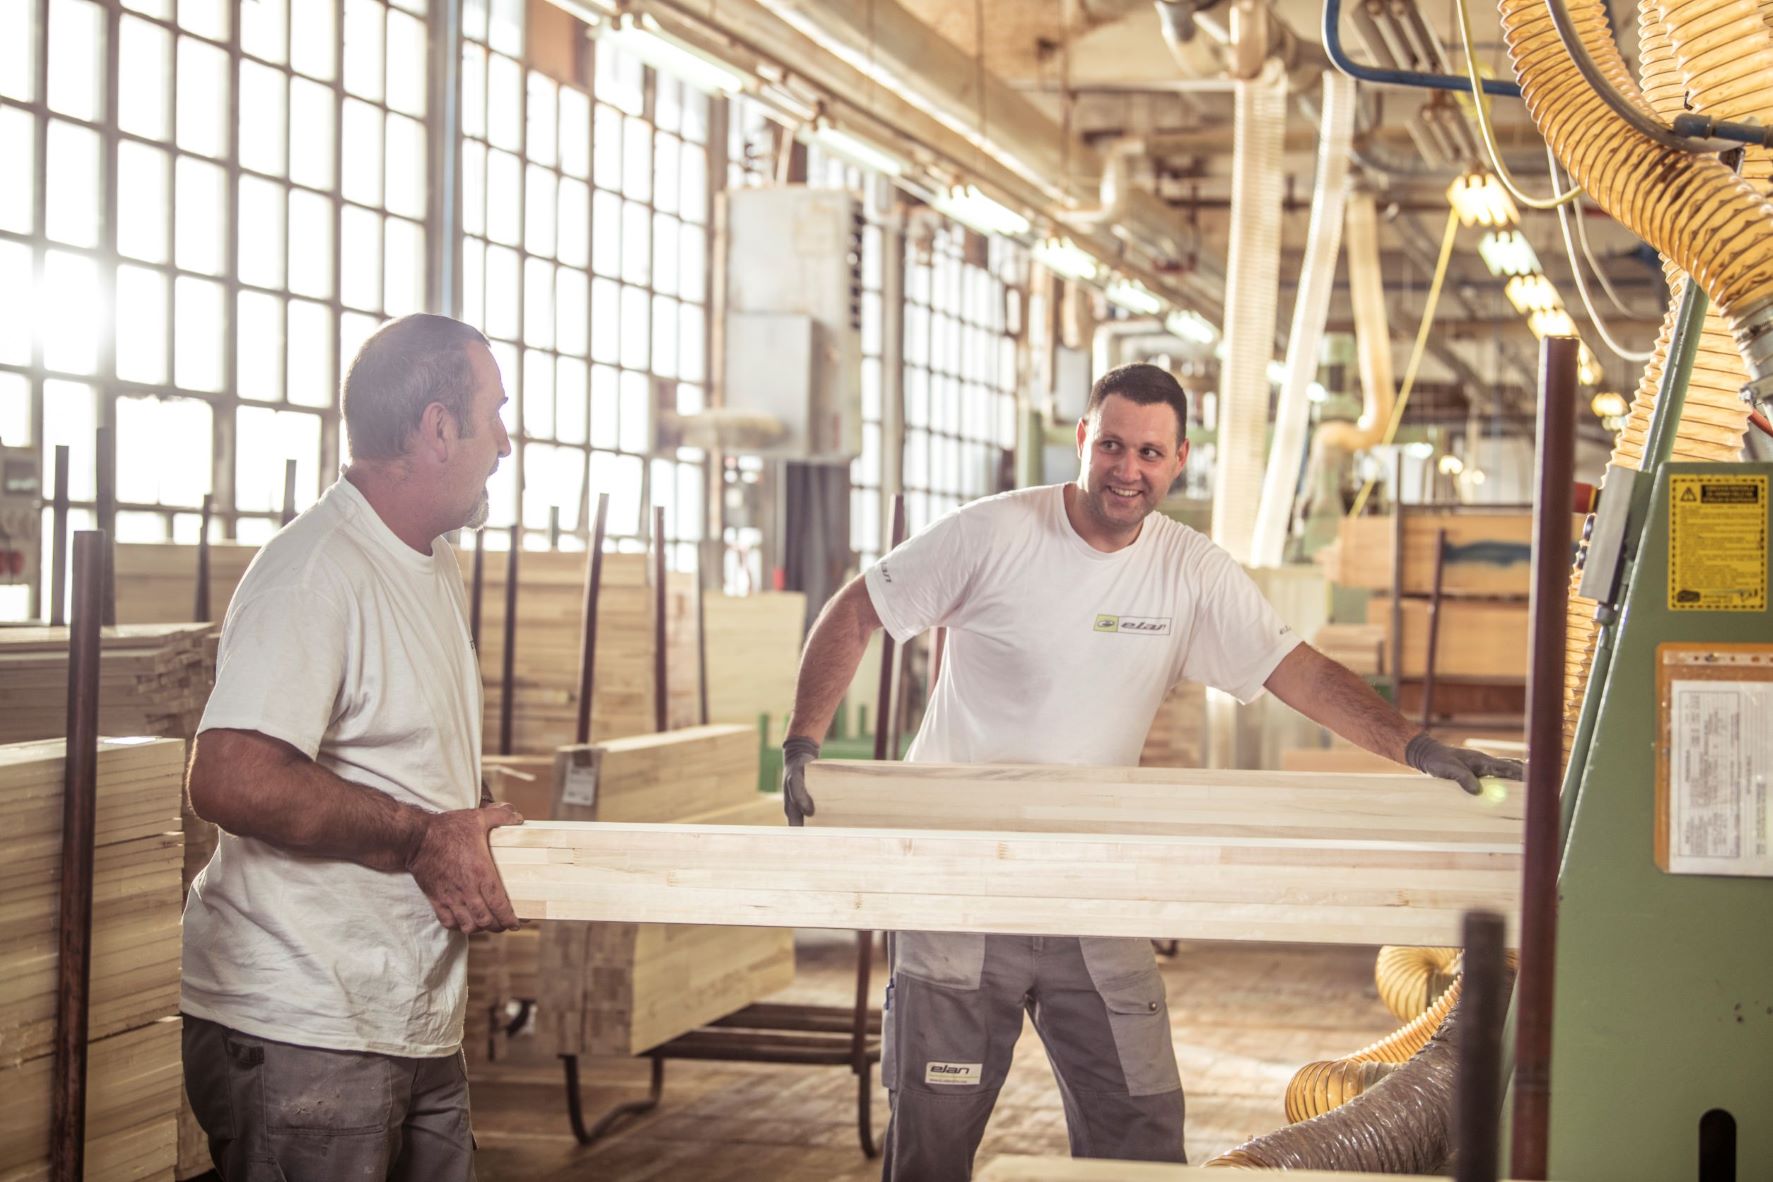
x=753 y=651
x=550 y=610
x=1178 y=732
x=502 y=965
x=154 y=679
x=133 y=1073
x=1477 y=638
x=1017 y=1168
x=1488 y=552
x=157 y=581
x=624 y=988
x=483 y=1024
x=1359 y=647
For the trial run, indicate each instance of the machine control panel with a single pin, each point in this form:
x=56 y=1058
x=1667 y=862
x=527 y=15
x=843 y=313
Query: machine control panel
x=21 y=516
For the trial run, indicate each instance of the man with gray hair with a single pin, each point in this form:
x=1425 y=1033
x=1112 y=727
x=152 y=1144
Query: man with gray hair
x=325 y=949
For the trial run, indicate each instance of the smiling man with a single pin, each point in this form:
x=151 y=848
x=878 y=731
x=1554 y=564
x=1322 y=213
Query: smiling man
x=1071 y=610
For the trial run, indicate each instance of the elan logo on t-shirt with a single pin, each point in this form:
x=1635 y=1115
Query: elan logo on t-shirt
x=1135 y=625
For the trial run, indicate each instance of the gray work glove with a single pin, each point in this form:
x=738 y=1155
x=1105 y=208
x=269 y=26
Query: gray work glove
x=797 y=802
x=1462 y=765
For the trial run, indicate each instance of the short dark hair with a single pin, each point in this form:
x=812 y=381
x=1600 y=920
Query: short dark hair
x=1146 y=385
x=403 y=367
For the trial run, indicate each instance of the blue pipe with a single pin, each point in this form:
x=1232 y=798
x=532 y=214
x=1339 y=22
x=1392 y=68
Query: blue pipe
x=1340 y=59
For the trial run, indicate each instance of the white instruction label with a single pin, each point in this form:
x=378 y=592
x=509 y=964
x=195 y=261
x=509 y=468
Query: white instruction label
x=1719 y=763
x=580 y=785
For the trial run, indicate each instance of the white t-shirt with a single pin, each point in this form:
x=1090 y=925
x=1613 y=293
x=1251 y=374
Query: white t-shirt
x=353 y=648
x=1057 y=652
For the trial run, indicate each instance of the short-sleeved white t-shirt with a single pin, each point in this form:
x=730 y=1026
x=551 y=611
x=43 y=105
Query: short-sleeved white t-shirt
x=353 y=648
x=1060 y=653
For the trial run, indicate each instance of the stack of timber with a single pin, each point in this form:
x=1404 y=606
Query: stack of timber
x=1177 y=735
x=1478 y=638
x=154 y=679
x=1359 y=647
x=753 y=650
x=133 y=1054
x=1488 y=552
x=502 y=965
x=550 y=610
x=157 y=581
x=624 y=988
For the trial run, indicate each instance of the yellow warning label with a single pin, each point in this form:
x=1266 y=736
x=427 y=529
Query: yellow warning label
x=1717 y=543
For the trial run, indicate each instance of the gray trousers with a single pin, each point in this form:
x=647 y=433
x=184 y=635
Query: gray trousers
x=953 y=1015
x=276 y=1112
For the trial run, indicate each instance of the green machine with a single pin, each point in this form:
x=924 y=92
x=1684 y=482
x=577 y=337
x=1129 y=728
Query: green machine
x=1662 y=1021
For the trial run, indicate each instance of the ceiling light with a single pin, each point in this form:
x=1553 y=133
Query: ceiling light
x=968 y=206
x=1480 y=200
x=1451 y=465
x=1134 y=297
x=1064 y=257
x=1552 y=322
x=1532 y=293
x=1315 y=392
x=646 y=40
x=855 y=150
x=1191 y=326
x=1507 y=252
x=1609 y=404
x=1588 y=367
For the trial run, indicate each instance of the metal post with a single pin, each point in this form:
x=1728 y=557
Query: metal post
x=79 y=807
x=58 y=541
x=1545 y=739
x=289 y=489
x=200 y=606
x=661 y=701
x=477 y=589
x=508 y=671
x=107 y=520
x=883 y=708
x=1434 y=627
x=553 y=527
x=1397 y=578
x=588 y=628
x=1478 y=1093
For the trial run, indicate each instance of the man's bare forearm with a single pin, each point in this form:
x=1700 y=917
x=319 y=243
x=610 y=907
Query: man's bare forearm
x=254 y=786
x=833 y=653
x=1335 y=697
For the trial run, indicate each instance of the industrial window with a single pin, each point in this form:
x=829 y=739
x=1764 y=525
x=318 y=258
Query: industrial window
x=585 y=210
x=962 y=314
x=205 y=207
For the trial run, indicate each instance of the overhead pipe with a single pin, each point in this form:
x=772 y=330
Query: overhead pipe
x=1332 y=33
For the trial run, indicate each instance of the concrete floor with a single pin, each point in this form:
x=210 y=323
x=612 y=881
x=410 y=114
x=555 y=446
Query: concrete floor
x=1245 y=1017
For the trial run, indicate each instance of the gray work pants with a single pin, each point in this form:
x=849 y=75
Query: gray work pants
x=276 y=1112
x=953 y=1015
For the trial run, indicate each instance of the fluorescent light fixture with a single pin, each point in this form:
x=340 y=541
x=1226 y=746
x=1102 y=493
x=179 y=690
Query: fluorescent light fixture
x=1134 y=297
x=1553 y=322
x=855 y=150
x=1479 y=200
x=968 y=206
x=1507 y=252
x=1532 y=293
x=645 y=40
x=1419 y=450
x=1064 y=257
x=1191 y=326
x=1609 y=404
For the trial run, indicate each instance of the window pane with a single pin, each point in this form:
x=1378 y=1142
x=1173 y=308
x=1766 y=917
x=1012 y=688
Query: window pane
x=141 y=327
x=605 y=385
x=311 y=115
x=502 y=293
x=570 y=400
x=202 y=213
x=362 y=155
x=164 y=450
x=572 y=308
x=406 y=167
x=667 y=102
x=695 y=116
x=538 y=303
x=692 y=284
x=606 y=233
x=665 y=242
x=70 y=417
x=18 y=307
x=360 y=258
x=504 y=28
x=636 y=243
x=404 y=248
x=575 y=133
x=538 y=395
x=207 y=18
x=473 y=91
x=622 y=478
x=261 y=232
x=606 y=144
x=310 y=354
x=694 y=202
x=691 y=343
x=473 y=187
x=15 y=410
x=203 y=97
x=260 y=346
x=73 y=190
x=666 y=182
x=606 y=320
x=539 y=206
x=354 y=329
x=543 y=104
x=264 y=441
x=144 y=68
x=637 y=160
x=620 y=78
x=18 y=42
x=18 y=144
x=262 y=29
x=664 y=337
x=76 y=59
x=504 y=196
x=474 y=282
x=197 y=333
x=636 y=412
x=573 y=239
x=504 y=103
x=637 y=340
x=554 y=478
x=70 y=329
x=406 y=64
x=313 y=43
x=141 y=221
x=363 y=48
x=310 y=244
x=262 y=115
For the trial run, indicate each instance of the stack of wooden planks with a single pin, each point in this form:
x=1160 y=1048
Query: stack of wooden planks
x=133 y=1057
x=624 y=988
x=1178 y=734
x=154 y=679
x=550 y=610
x=753 y=649
x=1488 y=552
x=1477 y=638
x=1360 y=647
x=157 y=581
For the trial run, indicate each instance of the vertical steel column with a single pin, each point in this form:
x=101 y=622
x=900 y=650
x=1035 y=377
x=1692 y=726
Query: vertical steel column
x=588 y=625
x=508 y=669
x=106 y=447
x=1545 y=741
x=477 y=589
x=661 y=702
x=79 y=807
x=58 y=541
x=289 y=492
x=1434 y=627
x=443 y=133
x=883 y=709
x=200 y=607
x=1478 y=1090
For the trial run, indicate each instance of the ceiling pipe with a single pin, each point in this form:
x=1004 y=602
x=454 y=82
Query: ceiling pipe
x=1240 y=40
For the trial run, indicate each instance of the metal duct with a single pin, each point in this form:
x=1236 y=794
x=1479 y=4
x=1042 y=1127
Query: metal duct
x=1311 y=310
x=1251 y=291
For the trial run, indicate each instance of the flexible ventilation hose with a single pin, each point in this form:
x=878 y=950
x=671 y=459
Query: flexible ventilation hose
x=1412 y=979
x=1316 y=1088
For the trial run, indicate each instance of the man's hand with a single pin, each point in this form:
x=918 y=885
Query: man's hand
x=453 y=865
x=797 y=802
x=1462 y=765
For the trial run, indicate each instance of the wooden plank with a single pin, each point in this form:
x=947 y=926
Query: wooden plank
x=1478 y=638
x=1488 y=553
x=661 y=777
x=1159 y=886
x=154 y=679
x=1405 y=807
x=1359 y=647
x=157 y=581
x=753 y=645
x=1019 y=1168
x=1177 y=737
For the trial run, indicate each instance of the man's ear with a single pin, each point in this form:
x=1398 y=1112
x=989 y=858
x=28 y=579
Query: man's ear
x=437 y=431
x=1182 y=454
x=1083 y=431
